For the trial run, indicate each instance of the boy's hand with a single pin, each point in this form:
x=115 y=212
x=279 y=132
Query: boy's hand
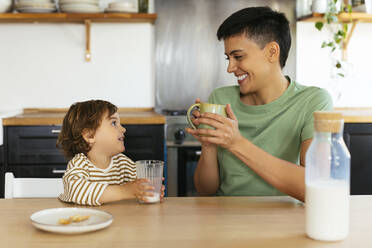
x=162 y=192
x=140 y=189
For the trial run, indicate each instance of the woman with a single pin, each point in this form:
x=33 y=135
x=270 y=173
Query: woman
x=259 y=149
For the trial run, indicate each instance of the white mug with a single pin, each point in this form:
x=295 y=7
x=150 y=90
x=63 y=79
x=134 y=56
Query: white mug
x=319 y=6
x=5 y=5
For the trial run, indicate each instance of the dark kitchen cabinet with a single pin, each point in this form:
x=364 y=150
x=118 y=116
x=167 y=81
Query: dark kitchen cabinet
x=1 y=170
x=33 y=145
x=144 y=142
x=30 y=151
x=358 y=139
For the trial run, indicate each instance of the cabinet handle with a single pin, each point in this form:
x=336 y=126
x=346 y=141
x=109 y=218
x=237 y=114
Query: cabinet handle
x=198 y=153
x=56 y=130
x=58 y=171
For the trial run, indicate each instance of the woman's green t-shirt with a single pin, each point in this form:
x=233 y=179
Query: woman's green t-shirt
x=278 y=128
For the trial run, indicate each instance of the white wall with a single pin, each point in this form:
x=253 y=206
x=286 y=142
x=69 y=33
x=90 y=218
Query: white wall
x=313 y=65
x=42 y=65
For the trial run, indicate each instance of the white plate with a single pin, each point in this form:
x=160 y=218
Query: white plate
x=80 y=8
x=87 y=6
x=35 y=10
x=48 y=220
x=35 y=5
x=116 y=10
x=35 y=1
x=80 y=11
x=126 y=5
x=95 y=2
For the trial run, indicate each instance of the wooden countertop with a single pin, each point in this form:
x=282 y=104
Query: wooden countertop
x=31 y=117
x=146 y=116
x=187 y=222
x=356 y=115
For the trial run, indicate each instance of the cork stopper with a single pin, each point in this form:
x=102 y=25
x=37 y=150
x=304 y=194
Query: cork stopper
x=325 y=121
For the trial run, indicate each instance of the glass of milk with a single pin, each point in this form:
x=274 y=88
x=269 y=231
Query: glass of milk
x=327 y=179
x=153 y=171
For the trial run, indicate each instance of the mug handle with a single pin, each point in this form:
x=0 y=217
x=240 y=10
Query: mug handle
x=189 y=112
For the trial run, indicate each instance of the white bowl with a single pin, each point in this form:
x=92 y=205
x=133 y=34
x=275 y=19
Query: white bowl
x=5 y=5
x=61 y=2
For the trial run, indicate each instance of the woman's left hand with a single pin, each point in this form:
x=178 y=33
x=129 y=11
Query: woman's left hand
x=226 y=133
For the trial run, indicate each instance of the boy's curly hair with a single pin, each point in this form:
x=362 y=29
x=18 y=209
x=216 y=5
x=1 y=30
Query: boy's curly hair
x=81 y=116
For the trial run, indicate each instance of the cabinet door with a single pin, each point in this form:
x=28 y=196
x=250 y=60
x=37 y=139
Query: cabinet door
x=144 y=142
x=36 y=145
x=1 y=171
x=38 y=171
x=358 y=138
x=33 y=145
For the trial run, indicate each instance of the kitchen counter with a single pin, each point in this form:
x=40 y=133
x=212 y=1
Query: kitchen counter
x=356 y=115
x=31 y=117
x=187 y=222
x=4 y=113
x=35 y=117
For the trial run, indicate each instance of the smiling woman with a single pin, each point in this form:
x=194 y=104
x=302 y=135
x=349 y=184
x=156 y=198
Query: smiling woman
x=258 y=147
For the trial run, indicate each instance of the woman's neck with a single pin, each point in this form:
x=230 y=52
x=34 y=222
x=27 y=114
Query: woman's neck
x=271 y=91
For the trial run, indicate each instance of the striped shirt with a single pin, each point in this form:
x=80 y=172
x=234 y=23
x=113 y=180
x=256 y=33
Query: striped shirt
x=84 y=183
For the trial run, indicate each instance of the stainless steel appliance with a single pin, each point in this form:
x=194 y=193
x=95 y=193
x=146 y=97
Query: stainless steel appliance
x=183 y=153
x=190 y=63
x=189 y=60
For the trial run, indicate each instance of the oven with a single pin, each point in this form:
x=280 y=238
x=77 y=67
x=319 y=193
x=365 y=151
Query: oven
x=183 y=152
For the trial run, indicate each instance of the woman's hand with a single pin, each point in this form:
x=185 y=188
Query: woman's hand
x=196 y=122
x=226 y=133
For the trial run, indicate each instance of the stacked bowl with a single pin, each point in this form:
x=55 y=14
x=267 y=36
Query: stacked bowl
x=79 y=6
x=35 y=6
x=122 y=7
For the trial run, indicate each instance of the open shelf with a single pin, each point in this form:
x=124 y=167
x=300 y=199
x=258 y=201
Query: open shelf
x=75 y=17
x=343 y=17
x=86 y=19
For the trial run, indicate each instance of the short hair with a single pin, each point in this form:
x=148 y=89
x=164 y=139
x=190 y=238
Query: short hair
x=81 y=116
x=260 y=24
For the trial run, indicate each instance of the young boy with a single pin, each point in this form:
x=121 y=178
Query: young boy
x=98 y=172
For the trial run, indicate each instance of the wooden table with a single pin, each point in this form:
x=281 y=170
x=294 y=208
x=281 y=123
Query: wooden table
x=187 y=222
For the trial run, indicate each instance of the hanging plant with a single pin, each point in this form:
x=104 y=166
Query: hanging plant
x=338 y=30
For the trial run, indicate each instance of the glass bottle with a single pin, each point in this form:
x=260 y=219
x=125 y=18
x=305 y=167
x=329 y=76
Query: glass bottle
x=143 y=6
x=327 y=179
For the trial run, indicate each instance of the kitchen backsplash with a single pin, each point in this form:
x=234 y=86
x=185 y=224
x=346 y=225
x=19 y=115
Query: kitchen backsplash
x=42 y=65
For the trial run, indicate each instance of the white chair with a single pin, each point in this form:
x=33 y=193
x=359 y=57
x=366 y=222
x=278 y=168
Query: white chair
x=31 y=187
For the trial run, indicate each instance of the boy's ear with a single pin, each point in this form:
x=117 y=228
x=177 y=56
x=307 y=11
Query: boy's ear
x=88 y=136
x=273 y=51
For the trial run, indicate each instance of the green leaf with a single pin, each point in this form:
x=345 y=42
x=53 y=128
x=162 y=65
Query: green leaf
x=324 y=44
x=319 y=25
x=345 y=27
x=341 y=75
x=333 y=49
x=349 y=8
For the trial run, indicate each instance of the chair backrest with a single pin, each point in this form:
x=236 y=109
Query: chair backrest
x=31 y=187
